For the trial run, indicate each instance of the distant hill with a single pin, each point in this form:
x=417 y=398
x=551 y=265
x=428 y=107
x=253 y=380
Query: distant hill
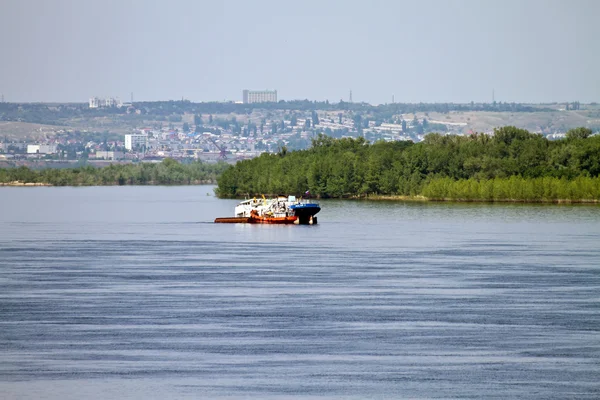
x=30 y=122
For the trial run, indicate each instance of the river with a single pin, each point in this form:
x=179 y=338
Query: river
x=134 y=293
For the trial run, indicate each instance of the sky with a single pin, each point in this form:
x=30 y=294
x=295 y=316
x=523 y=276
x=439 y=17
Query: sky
x=416 y=51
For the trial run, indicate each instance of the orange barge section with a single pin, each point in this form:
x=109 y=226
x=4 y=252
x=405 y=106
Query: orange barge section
x=258 y=220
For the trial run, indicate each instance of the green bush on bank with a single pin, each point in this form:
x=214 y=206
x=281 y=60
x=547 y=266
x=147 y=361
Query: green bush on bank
x=515 y=188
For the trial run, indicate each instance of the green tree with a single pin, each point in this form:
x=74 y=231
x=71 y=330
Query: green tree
x=579 y=133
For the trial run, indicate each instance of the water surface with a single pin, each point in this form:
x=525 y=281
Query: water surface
x=133 y=292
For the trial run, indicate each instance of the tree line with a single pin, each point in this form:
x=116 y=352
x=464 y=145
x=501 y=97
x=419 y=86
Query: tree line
x=512 y=164
x=179 y=107
x=167 y=172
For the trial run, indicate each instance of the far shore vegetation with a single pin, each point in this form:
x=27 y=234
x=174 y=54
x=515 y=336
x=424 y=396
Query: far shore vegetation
x=167 y=172
x=511 y=165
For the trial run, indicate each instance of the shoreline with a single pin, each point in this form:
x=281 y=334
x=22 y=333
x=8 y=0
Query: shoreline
x=17 y=183
x=423 y=199
x=43 y=184
x=396 y=198
x=451 y=200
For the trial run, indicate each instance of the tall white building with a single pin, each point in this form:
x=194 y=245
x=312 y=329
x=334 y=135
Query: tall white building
x=259 y=96
x=94 y=102
x=136 y=140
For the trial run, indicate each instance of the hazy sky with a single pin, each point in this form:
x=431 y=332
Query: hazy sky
x=430 y=51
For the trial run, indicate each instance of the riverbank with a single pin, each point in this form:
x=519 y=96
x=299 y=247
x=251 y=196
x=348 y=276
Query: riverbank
x=17 y=183
x=423 y=199
x=168 y=172
x=462 y=200
x=193 y=183
x=373 y=197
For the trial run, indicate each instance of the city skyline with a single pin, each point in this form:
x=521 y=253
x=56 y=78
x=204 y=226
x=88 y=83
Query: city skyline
x=434 y=51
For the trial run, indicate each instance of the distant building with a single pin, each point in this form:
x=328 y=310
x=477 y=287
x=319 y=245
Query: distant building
x=42 y=148
x=259 y=96
x=96 y=102
x=109 y=155
x=135 y=140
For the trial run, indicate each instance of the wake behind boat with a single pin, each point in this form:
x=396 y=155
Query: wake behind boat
x=279 y=210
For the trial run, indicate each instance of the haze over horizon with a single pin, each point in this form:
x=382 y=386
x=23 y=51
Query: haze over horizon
x=430 y=51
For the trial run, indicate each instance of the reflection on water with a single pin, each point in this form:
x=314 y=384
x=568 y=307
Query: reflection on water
x=133 y=292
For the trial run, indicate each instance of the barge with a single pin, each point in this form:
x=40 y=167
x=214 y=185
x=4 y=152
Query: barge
x=279 y=210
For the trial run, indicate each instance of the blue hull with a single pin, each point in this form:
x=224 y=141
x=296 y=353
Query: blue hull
x=305 y=212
